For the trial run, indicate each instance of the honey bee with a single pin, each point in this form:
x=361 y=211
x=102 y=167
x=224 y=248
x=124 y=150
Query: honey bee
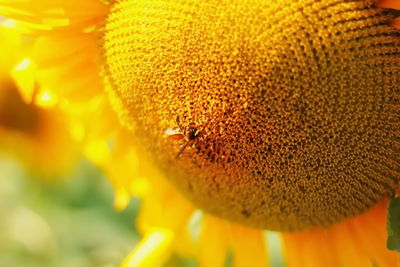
x=191 y=133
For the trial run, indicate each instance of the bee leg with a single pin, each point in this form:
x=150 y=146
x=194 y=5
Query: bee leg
x=182 y=149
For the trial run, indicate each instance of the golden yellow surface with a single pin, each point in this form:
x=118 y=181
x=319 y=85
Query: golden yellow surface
x=296 y=103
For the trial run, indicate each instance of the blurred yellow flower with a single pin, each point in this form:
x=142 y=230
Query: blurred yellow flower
x=30 y=128
x=266 y=115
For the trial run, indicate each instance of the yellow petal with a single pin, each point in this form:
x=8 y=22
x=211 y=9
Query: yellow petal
x=347 y=247
x=152 y=250
x=370 y=233
x=165 y=209
x=122 y=198
x=249 y=246
x=214 y=242
x=311 y=249
x=389 y=4
x=53 y=13
x=24 y=77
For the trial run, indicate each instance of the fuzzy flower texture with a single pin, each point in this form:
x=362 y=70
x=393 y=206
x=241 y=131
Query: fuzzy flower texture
x=230 y=118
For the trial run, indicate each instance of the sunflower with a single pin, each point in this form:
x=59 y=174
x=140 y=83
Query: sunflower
x=31 y=126
x=234 y=117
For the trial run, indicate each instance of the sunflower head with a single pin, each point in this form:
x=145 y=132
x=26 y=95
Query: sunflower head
x=286 y=112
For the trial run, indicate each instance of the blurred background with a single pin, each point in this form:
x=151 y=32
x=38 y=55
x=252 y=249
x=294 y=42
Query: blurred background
x=65 y=222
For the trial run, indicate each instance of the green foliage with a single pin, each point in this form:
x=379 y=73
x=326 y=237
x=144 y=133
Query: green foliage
x=393 y=225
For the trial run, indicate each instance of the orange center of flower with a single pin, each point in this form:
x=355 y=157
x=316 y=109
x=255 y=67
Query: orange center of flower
x=281 y=114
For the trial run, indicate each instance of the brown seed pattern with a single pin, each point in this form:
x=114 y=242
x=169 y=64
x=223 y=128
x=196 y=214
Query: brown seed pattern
x=297 y=103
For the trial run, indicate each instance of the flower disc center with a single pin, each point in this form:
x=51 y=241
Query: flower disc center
x=281 y=115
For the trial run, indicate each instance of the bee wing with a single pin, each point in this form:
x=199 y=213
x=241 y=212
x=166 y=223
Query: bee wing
x=171 y=131
x=174 y=133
